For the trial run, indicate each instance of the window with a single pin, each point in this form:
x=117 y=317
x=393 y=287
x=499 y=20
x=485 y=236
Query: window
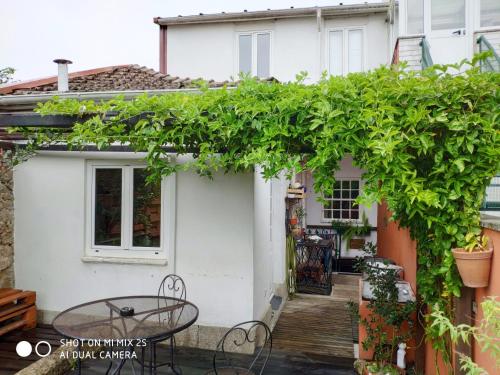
x=345 y=48
x=415 y=17
x=126 y=212
x=254 y=54
x=341 y=205
x=489 y=13
x=447 y=14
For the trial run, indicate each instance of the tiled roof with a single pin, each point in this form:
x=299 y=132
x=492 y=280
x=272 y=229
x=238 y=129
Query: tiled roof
x=111 y=78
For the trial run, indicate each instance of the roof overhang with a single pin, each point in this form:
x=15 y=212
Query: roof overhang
x=15 y=103
x=329 y=11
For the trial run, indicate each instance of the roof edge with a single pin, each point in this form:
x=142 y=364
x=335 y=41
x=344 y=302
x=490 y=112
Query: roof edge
x=336 y=10
x=28 y=84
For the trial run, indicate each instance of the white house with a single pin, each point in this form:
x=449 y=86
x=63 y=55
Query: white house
x=77 y=223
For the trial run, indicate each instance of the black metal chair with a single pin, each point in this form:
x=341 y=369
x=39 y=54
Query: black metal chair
x=173 y=290
x=227 y=362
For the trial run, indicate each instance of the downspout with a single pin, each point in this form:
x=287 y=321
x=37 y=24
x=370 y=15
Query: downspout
x=163 y=49
x=319 y=24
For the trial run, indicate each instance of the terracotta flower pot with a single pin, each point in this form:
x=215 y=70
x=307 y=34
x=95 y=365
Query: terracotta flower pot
x=294 y=221
x=474 y=267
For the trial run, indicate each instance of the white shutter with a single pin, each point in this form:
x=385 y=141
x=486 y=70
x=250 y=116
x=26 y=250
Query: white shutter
x=336 y=51
x=355 y=51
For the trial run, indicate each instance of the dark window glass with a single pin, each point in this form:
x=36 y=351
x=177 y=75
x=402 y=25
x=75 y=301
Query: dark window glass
x=336 y=214
x=147 y=211
x=108 y=207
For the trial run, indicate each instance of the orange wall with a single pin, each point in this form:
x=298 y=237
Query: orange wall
x=484 y=359
x=396 y=244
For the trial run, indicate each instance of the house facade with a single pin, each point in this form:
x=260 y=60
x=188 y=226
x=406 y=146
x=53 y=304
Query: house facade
x=87 y=221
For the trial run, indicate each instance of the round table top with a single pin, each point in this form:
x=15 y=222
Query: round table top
x=131 y=317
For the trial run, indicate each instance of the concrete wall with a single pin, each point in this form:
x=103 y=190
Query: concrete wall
x=269 y=241
x=210 y=50
x=6 y=226
x=213 y=242
x=484 y=359
x=314 y=207
x=396 y=244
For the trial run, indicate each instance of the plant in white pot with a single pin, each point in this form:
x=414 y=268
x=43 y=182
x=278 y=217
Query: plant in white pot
x=474 y=260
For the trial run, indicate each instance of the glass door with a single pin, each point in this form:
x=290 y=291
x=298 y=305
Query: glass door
x=446 y=29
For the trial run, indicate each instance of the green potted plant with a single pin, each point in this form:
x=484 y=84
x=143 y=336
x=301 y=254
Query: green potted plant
x=474 y=260
x=354 y=231
x=388 y=323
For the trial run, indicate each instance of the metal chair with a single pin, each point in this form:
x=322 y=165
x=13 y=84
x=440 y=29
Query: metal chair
x=173 y=290
x=253 y=332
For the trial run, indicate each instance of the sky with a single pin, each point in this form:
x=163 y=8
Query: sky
x=97 y=33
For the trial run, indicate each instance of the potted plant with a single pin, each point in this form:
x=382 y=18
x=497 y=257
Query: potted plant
x=474 y=260
x=388 y=323
x=354 y=231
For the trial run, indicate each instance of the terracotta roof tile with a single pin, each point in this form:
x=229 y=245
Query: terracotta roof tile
x=112 y=78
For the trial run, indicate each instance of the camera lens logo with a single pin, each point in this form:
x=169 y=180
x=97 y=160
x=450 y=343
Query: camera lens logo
x=24 y=349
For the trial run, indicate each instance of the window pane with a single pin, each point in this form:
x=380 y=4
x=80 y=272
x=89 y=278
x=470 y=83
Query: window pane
x=355 y=48
x=328 y=214
x=263 y=55
x=336 y=51
x=490 y=13
x=415 y=16
x=447 y=14
x=245 y=54
x=108 y=207
x=336 y=214
x=147 y=211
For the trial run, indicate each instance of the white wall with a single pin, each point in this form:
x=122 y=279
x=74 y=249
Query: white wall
x=269 y=240
x=210 y=50
x=214 y=242
x=313 y=207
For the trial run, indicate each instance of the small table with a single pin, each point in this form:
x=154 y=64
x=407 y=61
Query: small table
x=132 y=322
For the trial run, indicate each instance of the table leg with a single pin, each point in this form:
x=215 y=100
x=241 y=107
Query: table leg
x=78 y=360
x=142 y=360
x=151 y=357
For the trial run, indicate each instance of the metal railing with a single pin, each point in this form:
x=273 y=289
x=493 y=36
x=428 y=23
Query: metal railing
x=426 y=54
x=492 y=199
x=491 y=63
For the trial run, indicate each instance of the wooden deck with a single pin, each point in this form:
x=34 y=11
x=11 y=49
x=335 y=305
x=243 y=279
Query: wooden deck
x=10 y=362
x=319 y=326
x=313 y=336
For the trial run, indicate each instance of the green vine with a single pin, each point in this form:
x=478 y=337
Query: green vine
x=429 y=143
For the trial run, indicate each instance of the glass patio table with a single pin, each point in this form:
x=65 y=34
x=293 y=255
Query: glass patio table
x=132 y=323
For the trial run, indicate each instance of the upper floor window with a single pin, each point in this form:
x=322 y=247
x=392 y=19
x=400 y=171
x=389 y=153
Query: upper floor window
x=489 y=13
x=254 y=54
x=447 y=14
x=345 y=51
x=415 y=16
x=125 y=211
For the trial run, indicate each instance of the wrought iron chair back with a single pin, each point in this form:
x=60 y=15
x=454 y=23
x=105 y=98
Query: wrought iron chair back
x=172 y=285
x=253 y=332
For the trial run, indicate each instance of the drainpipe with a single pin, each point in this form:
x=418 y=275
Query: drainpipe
x=320 y=44
x=163 y=49
x=62 y=74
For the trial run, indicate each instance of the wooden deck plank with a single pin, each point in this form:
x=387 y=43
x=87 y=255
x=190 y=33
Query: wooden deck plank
x=319 y=325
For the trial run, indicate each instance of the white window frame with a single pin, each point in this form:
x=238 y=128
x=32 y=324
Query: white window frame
x=404 y=14
x=253 y=34
x=360 y=207
x=127 y=250
x=345 y=47
x=477 y=19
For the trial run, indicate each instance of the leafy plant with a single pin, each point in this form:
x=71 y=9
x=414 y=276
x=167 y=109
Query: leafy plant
x=486 y=334
x=428 y=141
x=291 y=266
x=6 y=75
x=384 y=325
x=358 y=230
x=476 y=242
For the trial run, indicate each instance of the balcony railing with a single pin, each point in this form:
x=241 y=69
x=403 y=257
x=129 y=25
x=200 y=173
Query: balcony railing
x=491 y=63
x=426 y=54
